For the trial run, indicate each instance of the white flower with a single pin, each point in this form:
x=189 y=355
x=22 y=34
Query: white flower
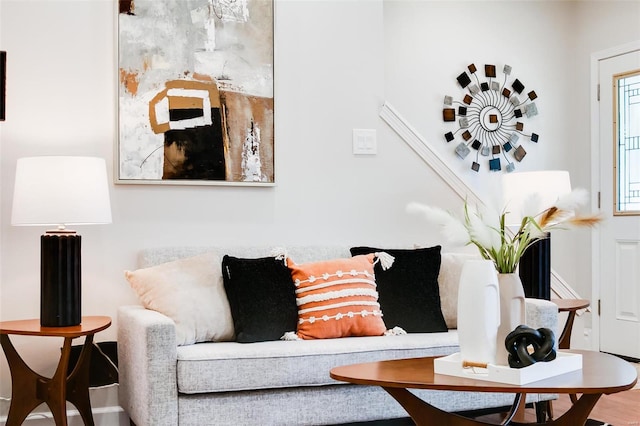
x=573 y=200
x=531 y=206
x=433 y=214
x=452 y=229
x=488 y=231
x=481 y=231
x=455 y=232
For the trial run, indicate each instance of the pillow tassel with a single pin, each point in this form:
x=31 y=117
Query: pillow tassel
x=290 y=336
x=280 y=253
x=385 y=259
x=395 y=331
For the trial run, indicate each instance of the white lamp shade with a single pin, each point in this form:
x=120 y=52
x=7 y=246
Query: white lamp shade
x=530 y=193
x=61 y=191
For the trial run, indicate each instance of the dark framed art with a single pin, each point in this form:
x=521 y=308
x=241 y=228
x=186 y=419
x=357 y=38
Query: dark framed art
x=3 y=84
x=195 y=92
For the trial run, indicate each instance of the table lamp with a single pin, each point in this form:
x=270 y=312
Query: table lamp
x=527 y=194
x=60 y=191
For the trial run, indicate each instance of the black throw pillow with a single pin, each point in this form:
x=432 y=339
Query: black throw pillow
x=261 y=296
x=408 y=291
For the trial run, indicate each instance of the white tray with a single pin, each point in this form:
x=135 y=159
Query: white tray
x=564 y=363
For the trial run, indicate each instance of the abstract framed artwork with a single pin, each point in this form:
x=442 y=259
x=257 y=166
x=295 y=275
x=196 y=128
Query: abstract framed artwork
x=195 y=92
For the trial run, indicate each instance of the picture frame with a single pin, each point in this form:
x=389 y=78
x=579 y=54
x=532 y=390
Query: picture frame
x=3 y=84
x=195 y=92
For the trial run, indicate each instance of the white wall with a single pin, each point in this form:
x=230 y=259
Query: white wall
x=329 y=79
x=548 y=44
x=336 y=62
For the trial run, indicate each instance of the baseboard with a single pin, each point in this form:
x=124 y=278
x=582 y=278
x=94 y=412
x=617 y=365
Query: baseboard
x=103 y=416
x=104 y=406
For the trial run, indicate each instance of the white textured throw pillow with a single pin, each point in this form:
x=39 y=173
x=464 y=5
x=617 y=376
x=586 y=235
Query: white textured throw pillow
x=191 y=292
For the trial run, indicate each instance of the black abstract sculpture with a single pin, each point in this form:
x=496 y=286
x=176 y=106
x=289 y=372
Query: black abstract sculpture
x=518 y=342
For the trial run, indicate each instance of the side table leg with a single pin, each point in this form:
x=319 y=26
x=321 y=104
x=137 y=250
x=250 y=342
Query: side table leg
x=565 y=338
x=24 y=384
x=78 y=383
x=54 y=391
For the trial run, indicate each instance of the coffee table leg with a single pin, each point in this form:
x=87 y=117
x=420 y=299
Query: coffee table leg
x=425 y=414
x=578 y=412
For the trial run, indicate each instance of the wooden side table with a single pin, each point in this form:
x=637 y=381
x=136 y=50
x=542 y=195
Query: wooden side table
x=29 y=389
x=571 y=306
x=564 y=342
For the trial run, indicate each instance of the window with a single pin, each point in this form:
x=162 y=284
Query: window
x=627 y=142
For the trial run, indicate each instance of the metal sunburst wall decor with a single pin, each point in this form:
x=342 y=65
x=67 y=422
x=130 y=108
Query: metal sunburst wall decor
x=490 y=118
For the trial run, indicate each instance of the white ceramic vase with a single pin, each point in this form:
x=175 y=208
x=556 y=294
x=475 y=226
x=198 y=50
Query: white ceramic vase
x=512 y=312
x=478 y=311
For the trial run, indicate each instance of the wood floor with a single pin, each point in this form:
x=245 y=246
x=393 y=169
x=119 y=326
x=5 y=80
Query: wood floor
x=620 y=409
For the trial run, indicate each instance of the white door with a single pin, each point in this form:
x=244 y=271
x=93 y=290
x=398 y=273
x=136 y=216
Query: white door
x=619 y=116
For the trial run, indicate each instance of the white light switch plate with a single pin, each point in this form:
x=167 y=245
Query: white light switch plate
x=364 y=142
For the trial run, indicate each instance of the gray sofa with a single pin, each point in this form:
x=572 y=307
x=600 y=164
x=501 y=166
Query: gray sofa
x=279 y=382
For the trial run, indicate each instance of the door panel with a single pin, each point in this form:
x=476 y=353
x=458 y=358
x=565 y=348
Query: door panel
x=619 y=234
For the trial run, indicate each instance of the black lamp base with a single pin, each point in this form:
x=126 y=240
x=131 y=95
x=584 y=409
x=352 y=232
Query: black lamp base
x=60 y=282
x=535 y=269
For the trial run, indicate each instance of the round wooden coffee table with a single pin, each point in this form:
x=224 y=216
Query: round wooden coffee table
x=601 y=374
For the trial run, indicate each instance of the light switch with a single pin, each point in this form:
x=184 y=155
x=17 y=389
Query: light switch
x=364 y=142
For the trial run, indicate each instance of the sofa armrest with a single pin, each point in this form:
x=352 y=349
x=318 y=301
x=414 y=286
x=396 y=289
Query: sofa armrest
x=147 y=358
x=542 y=313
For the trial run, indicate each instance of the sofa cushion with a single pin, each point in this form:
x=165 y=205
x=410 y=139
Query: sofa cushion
x=337 y=298
x=409 y=293
x=231 y=366
x=177 y=289
x=261 y=296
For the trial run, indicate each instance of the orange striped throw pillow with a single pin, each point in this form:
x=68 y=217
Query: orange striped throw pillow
x=337 y=298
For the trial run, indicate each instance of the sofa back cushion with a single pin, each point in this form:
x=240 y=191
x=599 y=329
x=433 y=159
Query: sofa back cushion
x=448 y=277
x=157 y=255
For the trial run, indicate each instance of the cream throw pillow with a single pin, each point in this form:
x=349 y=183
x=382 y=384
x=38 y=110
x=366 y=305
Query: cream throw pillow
x=191 y=292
